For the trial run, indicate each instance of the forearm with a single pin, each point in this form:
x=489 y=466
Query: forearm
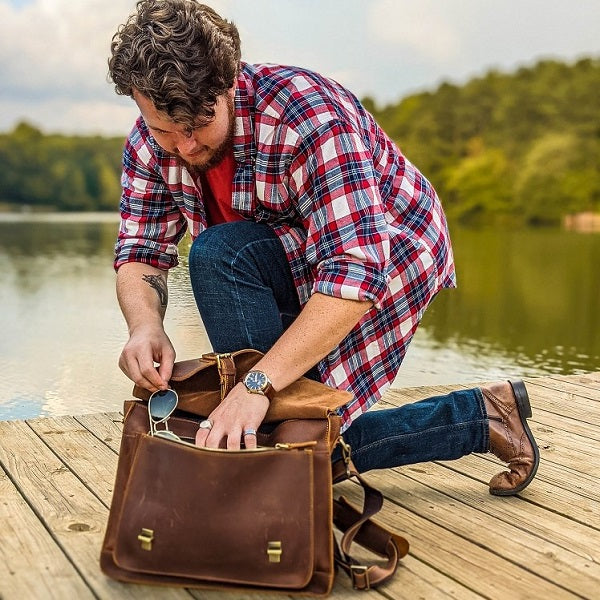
x=322 y=324
x=142 y=294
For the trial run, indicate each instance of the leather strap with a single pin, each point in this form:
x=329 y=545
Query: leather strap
x=226 y=368
x=357 y=526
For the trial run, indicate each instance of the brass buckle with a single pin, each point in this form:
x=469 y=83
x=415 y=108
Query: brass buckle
x=363 y=571
x=222 y=378
x=216 y=357
x=220 y=357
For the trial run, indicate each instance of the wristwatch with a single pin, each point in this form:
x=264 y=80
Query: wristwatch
x=257 y=382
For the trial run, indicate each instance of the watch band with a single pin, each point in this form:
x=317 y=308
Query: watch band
x=268 y=391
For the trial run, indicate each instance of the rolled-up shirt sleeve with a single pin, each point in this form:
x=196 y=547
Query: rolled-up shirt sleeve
x=338 y=197
x=151 y=223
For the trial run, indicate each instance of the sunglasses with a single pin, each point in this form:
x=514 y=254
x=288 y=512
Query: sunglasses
x=161 y=406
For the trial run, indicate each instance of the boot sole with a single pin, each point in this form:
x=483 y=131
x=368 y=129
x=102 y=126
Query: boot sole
x=524 y=408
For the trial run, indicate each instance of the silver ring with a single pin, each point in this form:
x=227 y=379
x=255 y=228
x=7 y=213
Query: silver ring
x=249 y=432
x=206 y=424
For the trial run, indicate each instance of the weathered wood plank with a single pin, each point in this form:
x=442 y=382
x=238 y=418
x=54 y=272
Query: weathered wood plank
x=32 y=564
x=470 y=564
x=520 y=512
x=92 y=461
x=107 y=427
x=568 y=449
x=567 y=424
x=579 y=386
x=591 y=380
x=554 y=487
x=66 y=507
x=564 y=567
x=564 y=403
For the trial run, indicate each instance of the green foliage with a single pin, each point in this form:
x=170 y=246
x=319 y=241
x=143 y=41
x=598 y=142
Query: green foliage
x=41 y=172
x=523 y=146
x=477 y=186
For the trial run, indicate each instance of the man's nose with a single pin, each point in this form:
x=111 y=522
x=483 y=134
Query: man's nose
x=186 y=144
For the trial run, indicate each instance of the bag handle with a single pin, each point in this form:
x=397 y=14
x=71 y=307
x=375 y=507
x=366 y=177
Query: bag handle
x=226 y=369
x=357 y=526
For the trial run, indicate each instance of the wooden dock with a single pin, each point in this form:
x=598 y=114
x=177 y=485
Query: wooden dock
x=56 y=479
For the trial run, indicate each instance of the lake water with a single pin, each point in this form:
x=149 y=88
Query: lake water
x=527 y=304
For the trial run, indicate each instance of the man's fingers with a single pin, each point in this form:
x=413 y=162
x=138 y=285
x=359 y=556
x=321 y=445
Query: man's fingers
x=215 y=438
x=234 y=439
x=165 y=370
x=201 y=436
x=250 y=438
x=133 y=372
x=151 y=375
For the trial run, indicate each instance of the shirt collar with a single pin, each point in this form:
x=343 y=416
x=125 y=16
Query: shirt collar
x=244 y=149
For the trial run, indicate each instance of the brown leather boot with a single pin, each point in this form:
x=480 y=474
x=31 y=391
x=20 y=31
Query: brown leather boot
x=511 y=440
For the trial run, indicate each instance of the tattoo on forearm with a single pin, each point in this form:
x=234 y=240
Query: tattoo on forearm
x=160 y=285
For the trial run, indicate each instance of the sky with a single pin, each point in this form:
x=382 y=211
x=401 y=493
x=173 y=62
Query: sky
x=53 y=53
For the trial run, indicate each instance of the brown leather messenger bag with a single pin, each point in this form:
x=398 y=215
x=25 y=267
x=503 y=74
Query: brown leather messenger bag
x=260 y=519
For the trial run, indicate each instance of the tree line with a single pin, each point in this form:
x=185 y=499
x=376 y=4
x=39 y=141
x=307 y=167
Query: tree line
x=519 y=147
x=57 y=172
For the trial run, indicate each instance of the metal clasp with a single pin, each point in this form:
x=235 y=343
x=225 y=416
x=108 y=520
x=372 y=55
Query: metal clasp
x=146 y=538
x=274 y=551
x=360 y=577
x=346 y=453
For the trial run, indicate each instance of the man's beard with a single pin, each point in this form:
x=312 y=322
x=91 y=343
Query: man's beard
x=220 y=152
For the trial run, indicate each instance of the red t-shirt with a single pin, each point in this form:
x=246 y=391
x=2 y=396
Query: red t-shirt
x=217 y=184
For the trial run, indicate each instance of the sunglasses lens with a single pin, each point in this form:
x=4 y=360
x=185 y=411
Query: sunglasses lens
x=162 y=403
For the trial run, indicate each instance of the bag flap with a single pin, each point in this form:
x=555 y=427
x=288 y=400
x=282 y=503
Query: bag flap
x=242 y=518
x=197 y=384
x=206 y=369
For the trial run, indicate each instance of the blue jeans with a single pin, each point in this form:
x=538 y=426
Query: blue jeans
x=245 y=293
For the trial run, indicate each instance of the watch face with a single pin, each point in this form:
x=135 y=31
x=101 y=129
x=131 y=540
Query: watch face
x=255 y=381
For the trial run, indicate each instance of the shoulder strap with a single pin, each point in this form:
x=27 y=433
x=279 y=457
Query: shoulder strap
x=226 y=368
x=356 y=526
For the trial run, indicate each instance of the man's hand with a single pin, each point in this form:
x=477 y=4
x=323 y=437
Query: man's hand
x=239 y=411
x=148 y=345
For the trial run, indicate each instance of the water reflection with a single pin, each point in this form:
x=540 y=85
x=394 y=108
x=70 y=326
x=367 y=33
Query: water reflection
x=532 y=294
x=526 y=304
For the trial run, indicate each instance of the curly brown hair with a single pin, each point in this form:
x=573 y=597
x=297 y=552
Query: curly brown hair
x=178 y=53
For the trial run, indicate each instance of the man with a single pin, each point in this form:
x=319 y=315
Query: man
x=316 y=242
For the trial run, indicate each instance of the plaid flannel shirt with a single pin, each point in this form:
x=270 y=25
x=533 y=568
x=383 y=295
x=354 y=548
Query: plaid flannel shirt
x=356 y=218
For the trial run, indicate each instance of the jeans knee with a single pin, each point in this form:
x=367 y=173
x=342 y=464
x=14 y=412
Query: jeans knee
x=206 y=247
x=226 y=241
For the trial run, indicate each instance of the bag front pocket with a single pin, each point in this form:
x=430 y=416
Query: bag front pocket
x=239 y=517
